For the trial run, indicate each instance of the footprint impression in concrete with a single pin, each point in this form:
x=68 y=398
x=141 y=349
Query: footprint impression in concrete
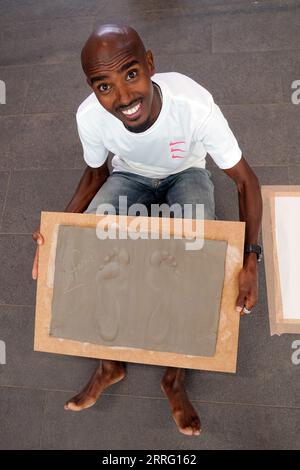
x=111 y=284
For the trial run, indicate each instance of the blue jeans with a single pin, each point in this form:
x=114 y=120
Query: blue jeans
x=191 y=186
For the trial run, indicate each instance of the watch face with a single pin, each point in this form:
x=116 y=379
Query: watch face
x=254 y=249
x=258 y=251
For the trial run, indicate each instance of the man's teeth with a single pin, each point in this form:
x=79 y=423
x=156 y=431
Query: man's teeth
x=133 y=110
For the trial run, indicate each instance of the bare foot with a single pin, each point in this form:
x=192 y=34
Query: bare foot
x=183 y=412
x=106 y=374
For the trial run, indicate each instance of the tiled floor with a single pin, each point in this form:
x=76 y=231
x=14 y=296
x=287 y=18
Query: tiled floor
x=247 y=54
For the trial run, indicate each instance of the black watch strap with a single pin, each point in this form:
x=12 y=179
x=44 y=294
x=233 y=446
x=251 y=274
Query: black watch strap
x=251 y=248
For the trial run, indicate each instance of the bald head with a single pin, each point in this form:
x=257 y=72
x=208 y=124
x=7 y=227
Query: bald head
x=119 y=71
x=107 y=43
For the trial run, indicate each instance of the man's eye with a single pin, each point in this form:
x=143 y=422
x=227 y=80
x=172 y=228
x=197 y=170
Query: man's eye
x=103 y=87
x=132 y=74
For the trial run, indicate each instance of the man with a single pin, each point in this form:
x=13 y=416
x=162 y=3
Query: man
x=159 y=130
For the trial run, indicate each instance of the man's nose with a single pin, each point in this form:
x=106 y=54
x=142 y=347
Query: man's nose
x=124 y=96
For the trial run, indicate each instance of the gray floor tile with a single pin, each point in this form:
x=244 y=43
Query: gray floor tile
x=16 y=254
x=263 y=31
x=8 y=131
x=290 y=72
x=114 y=422
x=39 y=370
x=138 y=7
x=272 y=174
x=231 y=78
x=117 y=422
x=194 y=31
x=294 y=174
x=56 y=88
x=264 y=367
x=260 y=131
x=226 y=195
x=183 y=7
x=249 y=427
x=44 y=141
x=4 y=177
x=265 y=373
x=79 y=160
x=38 y=190
x=291 y=136
x=15 y=92
x=45 y=41
x=21 y=414
x=26 y=10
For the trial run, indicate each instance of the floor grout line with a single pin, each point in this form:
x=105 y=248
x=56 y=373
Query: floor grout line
x=196 y=400
x=16 y=305
x=53 y=170
x=43 y=420
x=211 y=36
x=42 y=19
x=239 y=9
x=74 y=61
x=34 y=64
x=289 y=174
x=72 y=113
x=46 y=113
x=15 y=233
x=145 y=397
x=42 y=389
x=5 y=199
x=27 y=90
x=267 y=165
x=258 y=103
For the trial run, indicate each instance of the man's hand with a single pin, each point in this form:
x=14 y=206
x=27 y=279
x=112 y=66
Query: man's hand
x=248 y=289
x=38 y=237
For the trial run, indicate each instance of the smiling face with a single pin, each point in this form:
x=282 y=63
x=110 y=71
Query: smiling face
x=119 y=71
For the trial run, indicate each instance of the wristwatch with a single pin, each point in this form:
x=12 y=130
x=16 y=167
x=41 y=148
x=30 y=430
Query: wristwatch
x=254 y=249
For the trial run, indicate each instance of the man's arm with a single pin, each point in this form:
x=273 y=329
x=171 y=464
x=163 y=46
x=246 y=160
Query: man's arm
x=250 y=209
x=89 y=185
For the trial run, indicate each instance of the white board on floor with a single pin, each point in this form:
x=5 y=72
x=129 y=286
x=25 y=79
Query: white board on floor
x=288 y=251
x=281 y=237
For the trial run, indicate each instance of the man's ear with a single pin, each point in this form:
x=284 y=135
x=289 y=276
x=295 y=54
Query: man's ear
x=150 y=63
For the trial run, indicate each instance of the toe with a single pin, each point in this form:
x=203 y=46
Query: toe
x=73 y=405
x=196 y=425
x=70 y=406
x=188 y=430
x=183 y=427
x=155 y=258
x=124 y=257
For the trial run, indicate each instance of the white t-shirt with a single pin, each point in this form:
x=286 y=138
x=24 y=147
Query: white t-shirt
x=189 y=125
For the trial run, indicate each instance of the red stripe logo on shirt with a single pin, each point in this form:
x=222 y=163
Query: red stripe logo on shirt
x=175 y=147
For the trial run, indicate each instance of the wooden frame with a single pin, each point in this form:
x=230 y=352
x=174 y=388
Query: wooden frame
x=227 y=342
x=278 y=324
